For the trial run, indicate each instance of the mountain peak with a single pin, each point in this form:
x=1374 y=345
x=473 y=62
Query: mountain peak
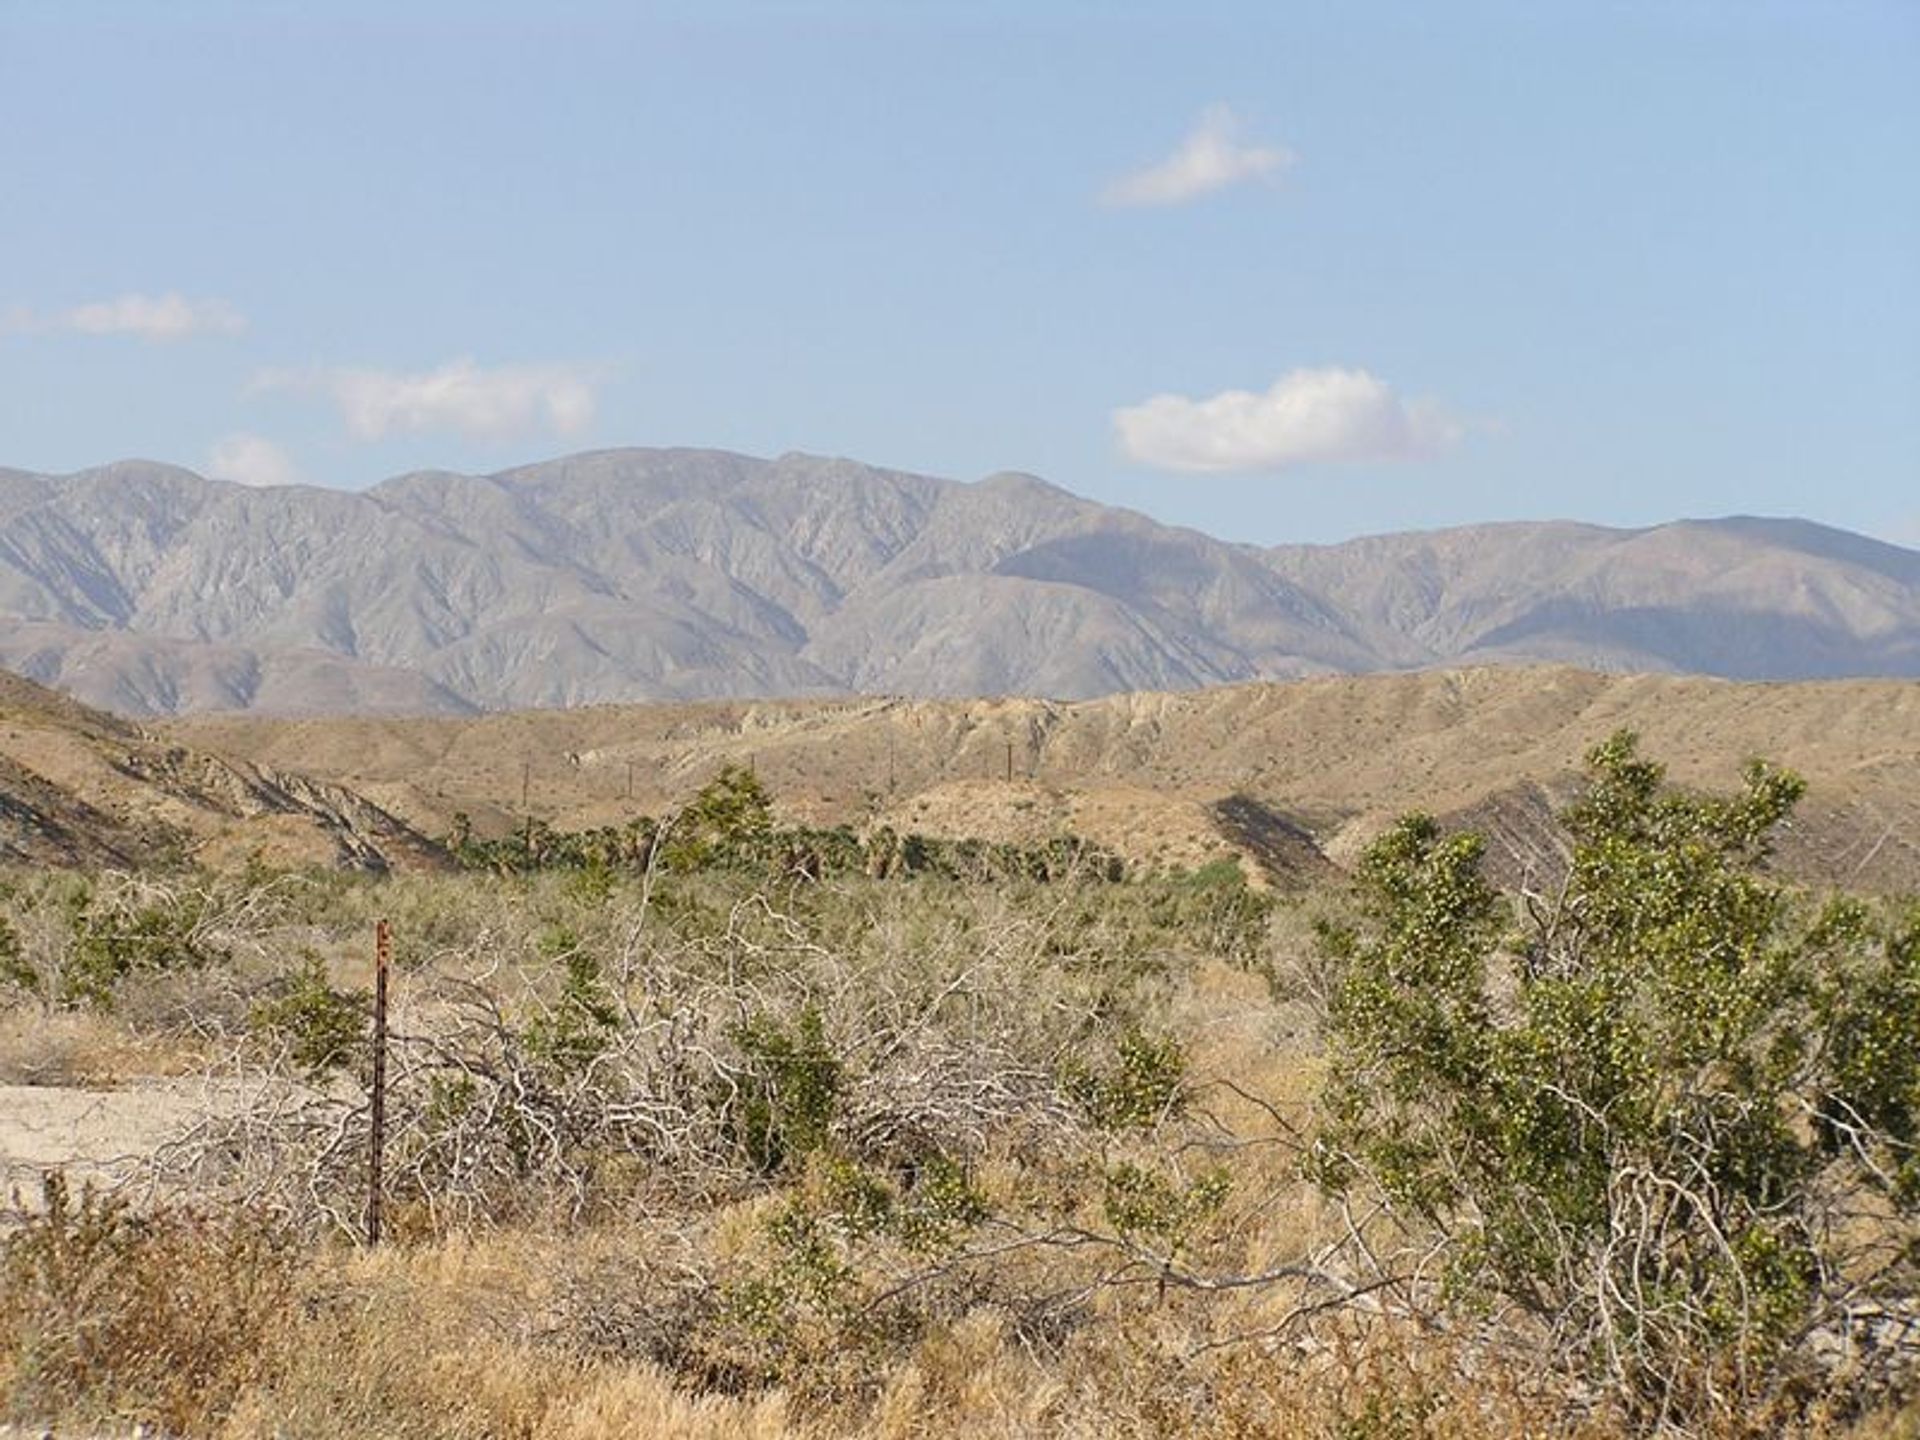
x=626 y=574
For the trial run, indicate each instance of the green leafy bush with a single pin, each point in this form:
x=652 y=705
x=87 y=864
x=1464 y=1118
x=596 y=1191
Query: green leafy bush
x=1142 y=1085
x=1640 y=1114
x=324 y=1029
x=1143 y=1203
x=789 y=1089
x=121 y=929
x=582 y=1022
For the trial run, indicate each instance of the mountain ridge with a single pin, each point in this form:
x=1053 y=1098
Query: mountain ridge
x=685 y=574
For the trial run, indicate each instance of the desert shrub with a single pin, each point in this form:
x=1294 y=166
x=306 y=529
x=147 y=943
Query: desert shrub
x=117 y=930
x=787 y=1092
x=321 y=1028
x=1150 y=1204
x=729 y=822
x=93 y=939
x=1141 y=1085
x=1649 y=1117
x=160 y=1317
x=15 y=968
x=852 y=1260
x=729 y=826
x=672 y=1035
x=580 y=1024
x=1215 y=908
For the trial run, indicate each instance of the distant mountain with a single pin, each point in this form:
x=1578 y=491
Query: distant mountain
x=689 y=574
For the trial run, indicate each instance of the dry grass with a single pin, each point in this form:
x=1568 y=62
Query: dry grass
x=467 y=1336
x=458 y=1338
x=444 y=1340
x=77 y=1048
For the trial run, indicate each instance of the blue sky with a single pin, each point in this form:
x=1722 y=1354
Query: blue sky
x=1281 y=271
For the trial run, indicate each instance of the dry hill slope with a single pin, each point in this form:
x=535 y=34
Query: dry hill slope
x=1157 y=775
x=80 y=787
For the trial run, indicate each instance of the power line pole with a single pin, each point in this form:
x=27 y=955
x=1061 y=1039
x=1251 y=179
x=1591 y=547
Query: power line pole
x=526 y=805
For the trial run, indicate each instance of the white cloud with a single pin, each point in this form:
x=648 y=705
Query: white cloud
x=252 y=460
x=1211 y=158
x=154 y=317
x=481 y=404
x=1305 y=417
x=171 y=316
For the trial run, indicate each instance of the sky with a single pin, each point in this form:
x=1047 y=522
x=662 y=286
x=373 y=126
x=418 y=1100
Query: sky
x=1280 y=271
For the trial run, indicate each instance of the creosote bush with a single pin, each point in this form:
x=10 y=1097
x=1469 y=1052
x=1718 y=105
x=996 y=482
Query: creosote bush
x=1662 y=1117
x=323 y=1029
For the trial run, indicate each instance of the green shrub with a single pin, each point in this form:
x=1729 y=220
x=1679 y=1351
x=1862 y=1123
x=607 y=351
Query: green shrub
x=789 y=1088
x=728 y=823
x=1141 y=1203
x=120 y=929
x=1143 y=1085
x=582 y=1022
x=323 y=1029
x=1641 y=1115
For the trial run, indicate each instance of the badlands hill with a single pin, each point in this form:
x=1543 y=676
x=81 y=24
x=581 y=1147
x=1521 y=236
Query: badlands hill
x=1295 y=776
x=80 y=787
x=687 y=574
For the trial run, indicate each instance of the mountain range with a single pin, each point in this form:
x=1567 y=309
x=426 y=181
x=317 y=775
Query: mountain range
x=695 y=574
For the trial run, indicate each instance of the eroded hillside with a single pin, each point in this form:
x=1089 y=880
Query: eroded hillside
x=1273 y=770
x=79 y=786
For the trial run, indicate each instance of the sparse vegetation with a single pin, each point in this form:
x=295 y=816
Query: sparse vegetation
x=918 y=1138
x=729 y=825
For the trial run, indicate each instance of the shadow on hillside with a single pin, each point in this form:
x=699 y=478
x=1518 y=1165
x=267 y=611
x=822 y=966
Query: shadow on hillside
x=1281 y=846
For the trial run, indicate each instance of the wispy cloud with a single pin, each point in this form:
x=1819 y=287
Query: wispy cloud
x=252 y=460
x=1212 y=157
x=171 y=316
x=1305 y=417
x=461 y=396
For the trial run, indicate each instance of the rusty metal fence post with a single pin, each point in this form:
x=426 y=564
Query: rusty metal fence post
x=377 y=1127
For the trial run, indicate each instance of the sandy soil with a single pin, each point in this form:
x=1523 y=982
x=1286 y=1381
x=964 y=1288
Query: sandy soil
x=96 y=1136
